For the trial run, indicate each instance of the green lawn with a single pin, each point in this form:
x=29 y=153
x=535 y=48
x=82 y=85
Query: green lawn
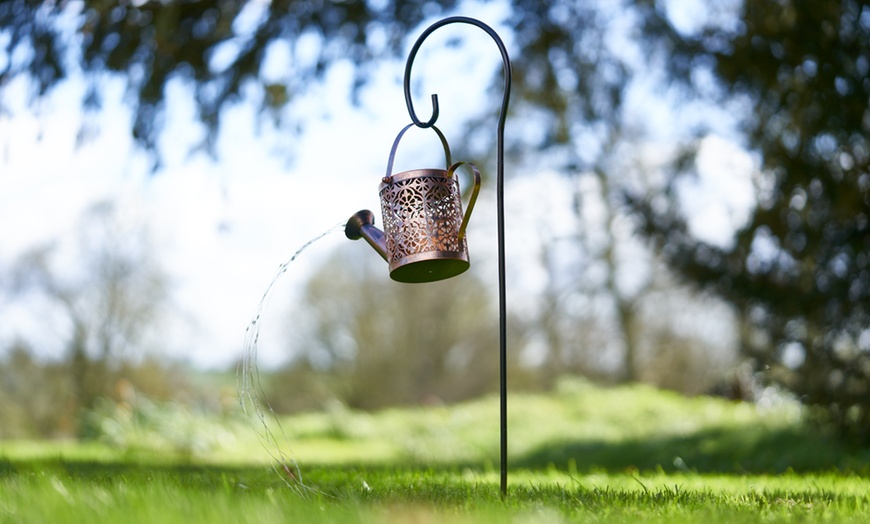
x=581 y=454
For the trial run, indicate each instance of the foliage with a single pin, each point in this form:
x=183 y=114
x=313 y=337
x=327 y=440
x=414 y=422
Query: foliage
x=222 y=47
x=385 y=343
x=219 y=46
x=27 y=410
x=799 y=271
x=143 y=425
x=39 y=399
x=570 y=82
x=105 y=316
x=579 y=428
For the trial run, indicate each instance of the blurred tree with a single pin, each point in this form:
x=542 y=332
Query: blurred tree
x=111 y=300
x=220 y=46
x=799 y=272
x=574 y=77
x=34 y=396
x=571 y=75
x=608 y=307
x=364 y=340
x=571 y=80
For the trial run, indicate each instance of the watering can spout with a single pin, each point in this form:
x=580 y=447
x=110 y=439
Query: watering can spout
x=362 y=225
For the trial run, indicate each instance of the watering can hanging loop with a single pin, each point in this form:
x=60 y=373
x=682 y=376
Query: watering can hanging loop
x=424 y=236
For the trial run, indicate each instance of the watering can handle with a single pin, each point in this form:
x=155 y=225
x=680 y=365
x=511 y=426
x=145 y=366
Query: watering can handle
x=474 y=191
x=396 y=147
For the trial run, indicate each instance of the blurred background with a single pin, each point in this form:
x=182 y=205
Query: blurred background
x=687 y=193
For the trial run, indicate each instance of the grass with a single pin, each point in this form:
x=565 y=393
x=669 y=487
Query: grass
x=582 y=454
x=60 y=491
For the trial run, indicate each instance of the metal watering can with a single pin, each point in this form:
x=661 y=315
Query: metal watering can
x=424 y=236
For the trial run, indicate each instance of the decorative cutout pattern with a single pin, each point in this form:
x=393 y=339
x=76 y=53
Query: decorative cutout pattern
x=422 y=214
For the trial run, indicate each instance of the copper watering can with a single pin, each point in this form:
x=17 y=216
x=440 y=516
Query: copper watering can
x=424 y=236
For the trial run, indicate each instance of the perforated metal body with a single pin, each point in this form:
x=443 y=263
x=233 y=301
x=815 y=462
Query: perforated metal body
x=422 y=213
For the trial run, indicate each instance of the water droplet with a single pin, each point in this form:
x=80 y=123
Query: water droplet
x=249 y=389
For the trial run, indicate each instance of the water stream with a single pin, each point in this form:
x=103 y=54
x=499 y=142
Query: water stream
x=252 y=399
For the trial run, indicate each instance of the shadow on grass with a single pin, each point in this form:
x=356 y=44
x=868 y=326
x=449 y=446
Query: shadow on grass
x=726 y=450
x=363 y=483
x=143 y=469
x=98 y=471
x=723 y=450
x=181 y=493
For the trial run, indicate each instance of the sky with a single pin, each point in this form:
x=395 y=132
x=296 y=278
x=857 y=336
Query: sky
x=221 y=227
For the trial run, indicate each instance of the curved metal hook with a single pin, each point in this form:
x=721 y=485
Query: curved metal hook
x=435 y=110
x=502 y=305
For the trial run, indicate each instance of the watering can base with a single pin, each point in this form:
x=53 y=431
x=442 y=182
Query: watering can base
x=429 y=270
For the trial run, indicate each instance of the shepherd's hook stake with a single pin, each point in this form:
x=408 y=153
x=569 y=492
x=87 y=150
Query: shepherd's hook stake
x=502 y=307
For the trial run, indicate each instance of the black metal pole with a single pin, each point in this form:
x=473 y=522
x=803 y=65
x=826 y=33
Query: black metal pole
x=502 y=301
